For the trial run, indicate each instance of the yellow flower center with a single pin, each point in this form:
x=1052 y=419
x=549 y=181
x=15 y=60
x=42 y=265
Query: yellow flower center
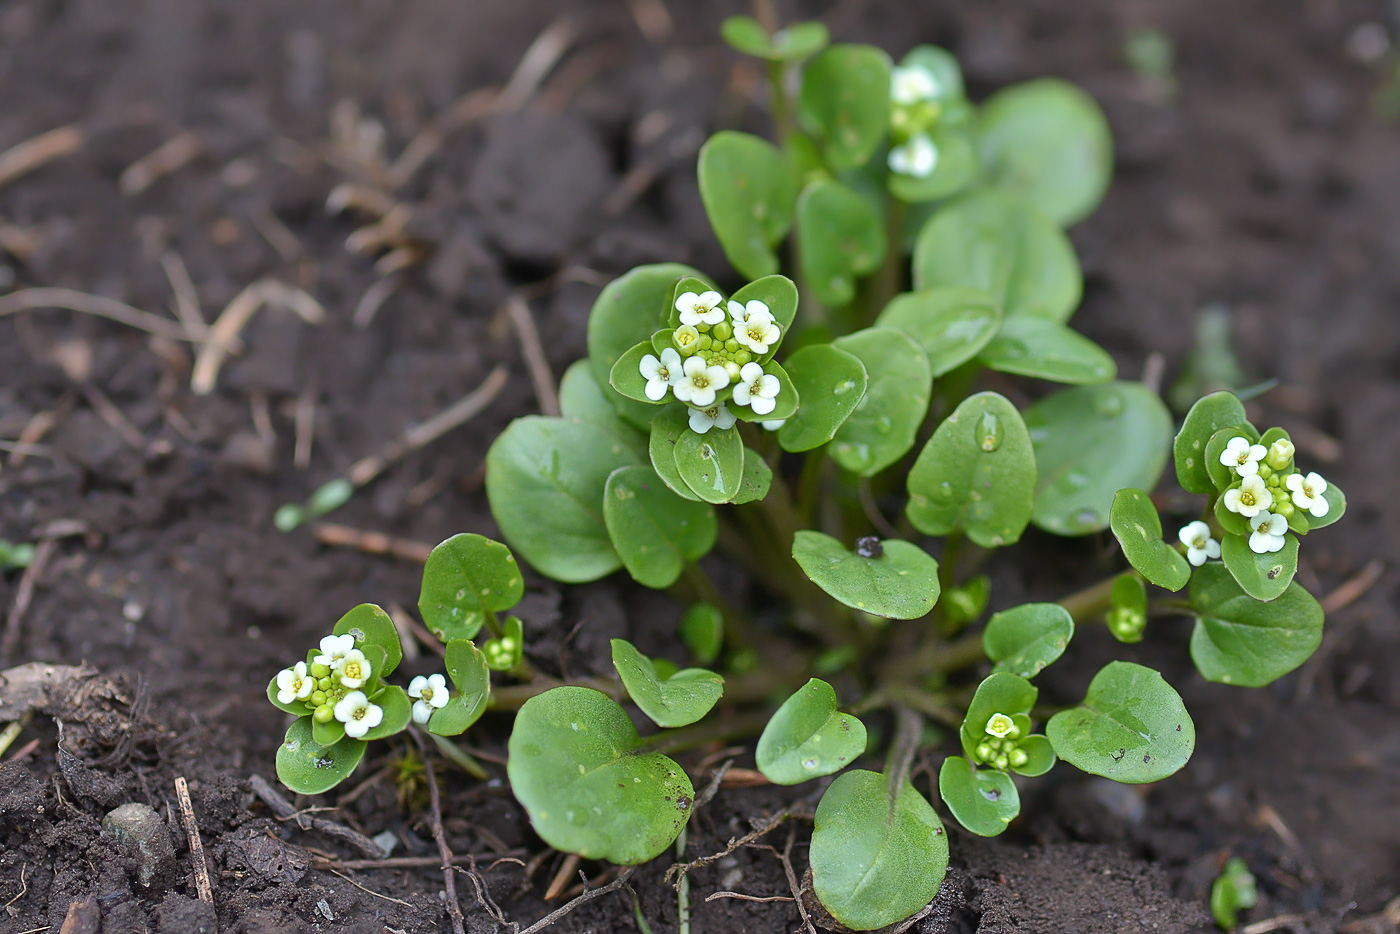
x=352 y=670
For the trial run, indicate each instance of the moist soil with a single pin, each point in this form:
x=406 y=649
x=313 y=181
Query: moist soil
x=1265 y=181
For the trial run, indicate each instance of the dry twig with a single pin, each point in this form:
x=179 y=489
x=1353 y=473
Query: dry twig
x=201 y=868
x=98 y=306
x=1354 y=589
x=561 y=878
x=371 y=543
x=23 y=596
x=283 y=809
x=449 y=876
x=171 y=156
x=223 y=335
x=533 y=351
x=38 y=151
x=587 y=896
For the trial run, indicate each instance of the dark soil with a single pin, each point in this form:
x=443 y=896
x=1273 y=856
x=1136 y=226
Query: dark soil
x=1266 y=183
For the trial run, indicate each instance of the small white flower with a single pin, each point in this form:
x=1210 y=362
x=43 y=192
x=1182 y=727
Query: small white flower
x=699 y=382
x=661 y=374
x=334 y=648
x=912 y=85
x=686 y=338
x=754 y=326
x=756 y=389
x=1250 y=498
x=1242 y=456
x=917 y=158
x=1307 y=493
x=432 y=690
x=354 y=669
x=999 y=724
x=1268 y=532
x=773 y=424
x=717 y=415
x=1199 y=545
x=358 y=714
x=294 y=684
x=700 y=309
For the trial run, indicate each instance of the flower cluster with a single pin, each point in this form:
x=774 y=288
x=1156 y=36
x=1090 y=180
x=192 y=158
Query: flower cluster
x=429 y=694
x=1000 y=746
x=333 y=686
x=916 y=103
x=1267 y=490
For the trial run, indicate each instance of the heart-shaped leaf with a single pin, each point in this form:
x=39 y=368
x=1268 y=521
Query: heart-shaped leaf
x=808 y=737
x=984 y=801
x=1005 y=247
x=576 y=767
x=370 y=625
x=1090 y=442
x=977 y=474
x=677 y=700
x=842 y=238
x=1132 y=727
x=1138 y=528
x=711 y=464
x=882 y=428
x=845 y=97
x=1262 y=576
x=876 y=857
x=887 y=578
x=465 y=577
x=1048 y=141
x=1244 y=641
x=951 y=323
x=668 y=427
x=1024 y=639
x=1047 y=349
x=467 y=668
x=749 y=193
x=655 y=531
x=1212 y=413
x=702 y=631
x=830 y=384
x=307 y=767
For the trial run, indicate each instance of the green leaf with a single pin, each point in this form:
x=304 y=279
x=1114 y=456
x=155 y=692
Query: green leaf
x=842 y=238
x=1024 y=639
x=745 y=34
x=996 y=243
x=976 y=474
x=749 y=194
x=576 y=767
x=1232 y=890
x=898 y=580
x=876 y=857
x=1047 y=349
x=1000 y=692
x=372 y=626
x=799 y=40
x=678 y=700
x=711 y=464
x=830 y=384
x=951 y=323
x=308 y=768
x=327 y=734
x=508 y=651
x=1212 y=413
x=397 y=708
x=655 y=531
x=1244 y=641
x=779 y=293
x=465 y=577
x=1138 y=528
x=702 y=631
x=1090 y=442
x=883 y=427
x=582 y=398
x=466 y=666
x=1336 y=508
x=1220 y=475
x=1132 y=727
x=544 y=480
x=1263 y=577
x=808 y=737
x=757 y=478
x=1048 y=141
x=984 y=801
x=955 y=169
x=943 y=65
x=668 y=427
x=626 y=377
x=1040 y=756
x=845 y=96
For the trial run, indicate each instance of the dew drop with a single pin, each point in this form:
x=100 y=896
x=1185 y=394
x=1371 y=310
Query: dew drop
x=884 y=425
x=1086 y=519
x=843 y=387
x=462 y=594
x=811 y=763
x=1076 y=480
x=945 y=490
x=988 y=432
x=325 y=762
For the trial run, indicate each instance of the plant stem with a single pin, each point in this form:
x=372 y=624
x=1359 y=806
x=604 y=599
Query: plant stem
x=720 y=729
x=884 y=284
x=930 y=705
x=937 y=656
x=908 y=730
x=1091 y=602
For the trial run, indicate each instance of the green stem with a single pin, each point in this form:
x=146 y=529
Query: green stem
x=938 y=656
x=1091 y=602
x=782 y=110
x=460 y=756
x=886 y=281
x=908 y=731
x=930 y=705
x=717 y=729
x=809 y=484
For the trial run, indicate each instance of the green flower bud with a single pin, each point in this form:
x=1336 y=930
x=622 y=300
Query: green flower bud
x=324 y=714
x=732 y=345
x=1273 y=481
x=1265 y=472
x=317 y=698
x=324 y=683
x=705 y=343
x=742 y=357
x=703 y=328
x=1280 y=456
x=985 y=752
x=732 y=369
x=686 y=339
x=722 y=331
x=1018 y=758
x=1283 y=506
x=319 y=671
x=1001 y=761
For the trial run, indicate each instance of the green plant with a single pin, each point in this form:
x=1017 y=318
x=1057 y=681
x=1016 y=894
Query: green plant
x=1232 y=890
x=684 y=406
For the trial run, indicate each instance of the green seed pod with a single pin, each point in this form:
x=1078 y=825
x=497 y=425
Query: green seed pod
x=324 y=714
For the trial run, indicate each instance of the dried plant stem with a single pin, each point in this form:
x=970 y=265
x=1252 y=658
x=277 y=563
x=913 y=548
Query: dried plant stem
x=449 y=875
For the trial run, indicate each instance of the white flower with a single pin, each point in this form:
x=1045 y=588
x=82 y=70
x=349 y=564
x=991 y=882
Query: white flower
x=1307 y=493
x=754 y=326
x=686 y=338
x=912 y=85
x=1242 y=456
x=431 y=693
x=1268 y=532
x=334 y=648
x=702 y=420
x=700 y=309
x=773 y=424
x=294 y=684
x=1199 y=545
x=354 y=669
x=999 y=725
x=358 y=714
x=661 y=374
x=918 y=157
x=699 y=382
x=1250 y=498
x=756 y=389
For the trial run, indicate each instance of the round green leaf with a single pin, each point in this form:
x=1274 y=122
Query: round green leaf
x=830 y=384
x=702 y=631
x=749 y=193
x=899 y=580
x=845 y=96
x=757 y=478
x=582 y=398
x=678 y=700
x=307 y=767
x=466 y=576
x=711 y=464
x=1138 y=528
x=779 y=293
x=397 y=708
x=467 y=668
x=327 y=734
x=1212 y=413
x=370 y=625
x=544 y=480
x=1048 y=141
x=575 y=766
x=1132 y=727
x=876 y=858
x=976 y=474
x=745 y=34
x=626 y=377
x=841 y=236
x=1244 y=641
x=983 y=800
x=1005 y=247
x=951 y=323
x=807 y=737
x=883 y=426
x=955 y=169
x=1090 y=442
x=800 y=40
x=655 y=531
x=1024 y=639
x=1336 y=507
x=1047 y=349
x=1265 y=576
x=1040 y=756
x=668 y=427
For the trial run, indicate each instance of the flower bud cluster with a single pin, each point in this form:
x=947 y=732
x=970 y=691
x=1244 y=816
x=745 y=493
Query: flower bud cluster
x=916 y=104
x=334 y=685
x=1128 y=623
x=1267 y=489
x=1000 y=745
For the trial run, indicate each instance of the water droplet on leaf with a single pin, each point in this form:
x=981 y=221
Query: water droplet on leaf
x=988 y=432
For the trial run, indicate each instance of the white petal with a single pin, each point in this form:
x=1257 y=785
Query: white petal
x=1232 y=497
x=694 y=365
x=756 y=312
x=1212 y=549
x=1248 y=469
x=700 y=422
x=416 y=686
x=1197 y=556
x=1259 y=543
x=768 y=386
x=773 y=424
x=374 y=715
x=656 y=389
x=750 y=372
x=1319 y=507
x=687 y=301
x=671 y=360
x=743 y=393
x=650 y=366
x=422 y=713
x=701 y=398
x=736 y=311
x=1317 y=484
x=718 y=375
x=762 y=405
